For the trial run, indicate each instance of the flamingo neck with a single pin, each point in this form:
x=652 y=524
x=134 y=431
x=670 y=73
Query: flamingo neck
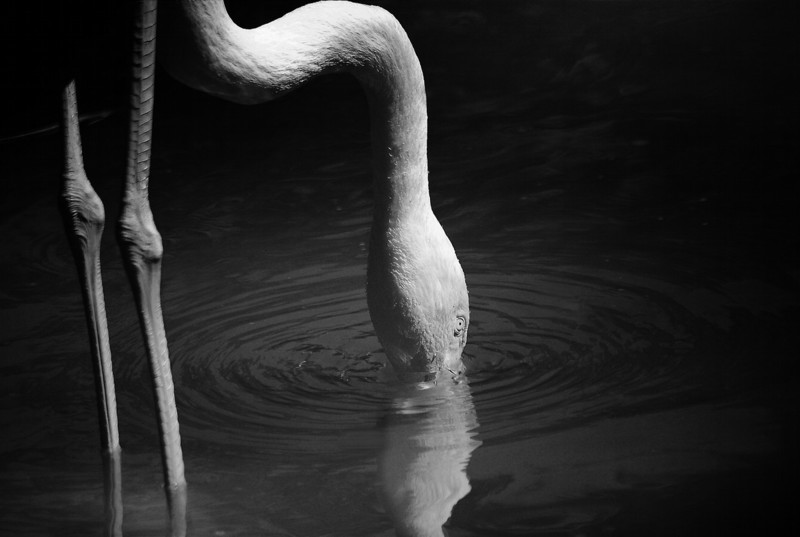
x=260 y=64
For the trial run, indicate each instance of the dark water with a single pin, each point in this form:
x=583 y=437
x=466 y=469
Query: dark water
x=619 y=180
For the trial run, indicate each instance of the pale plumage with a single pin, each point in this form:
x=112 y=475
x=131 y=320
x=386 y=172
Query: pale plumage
x=417 y=295
x=416 y=291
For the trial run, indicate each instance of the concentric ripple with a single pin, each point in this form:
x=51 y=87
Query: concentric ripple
x=288 y=362
x=263 y=364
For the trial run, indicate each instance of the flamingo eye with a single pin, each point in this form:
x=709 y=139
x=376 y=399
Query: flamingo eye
x=461 y=325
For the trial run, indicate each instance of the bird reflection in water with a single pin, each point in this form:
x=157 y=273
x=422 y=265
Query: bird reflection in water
x=429 y=437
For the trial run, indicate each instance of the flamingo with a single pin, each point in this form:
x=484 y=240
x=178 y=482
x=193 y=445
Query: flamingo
x=416 y=290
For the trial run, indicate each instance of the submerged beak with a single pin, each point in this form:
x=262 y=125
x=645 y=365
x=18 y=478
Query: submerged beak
x=422 y=369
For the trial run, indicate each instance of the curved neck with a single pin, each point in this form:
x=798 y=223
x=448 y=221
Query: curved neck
x=205 y=49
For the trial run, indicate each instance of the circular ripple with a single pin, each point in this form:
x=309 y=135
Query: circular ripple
x=259 y=365
x=288 y=361
x=557 y=347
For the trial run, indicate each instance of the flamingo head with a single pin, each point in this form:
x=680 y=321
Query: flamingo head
x=417 y=298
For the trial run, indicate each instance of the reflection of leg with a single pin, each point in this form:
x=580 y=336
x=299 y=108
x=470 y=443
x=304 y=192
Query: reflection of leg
x=84 y=218
x=176 y=499
x=113 y=490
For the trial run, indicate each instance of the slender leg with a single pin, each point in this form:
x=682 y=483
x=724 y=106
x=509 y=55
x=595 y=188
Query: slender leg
x=142 y=253
x=84 y=219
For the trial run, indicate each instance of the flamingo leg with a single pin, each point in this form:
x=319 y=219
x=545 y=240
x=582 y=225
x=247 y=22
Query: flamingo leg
x=142 y=251
x=84 y=219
